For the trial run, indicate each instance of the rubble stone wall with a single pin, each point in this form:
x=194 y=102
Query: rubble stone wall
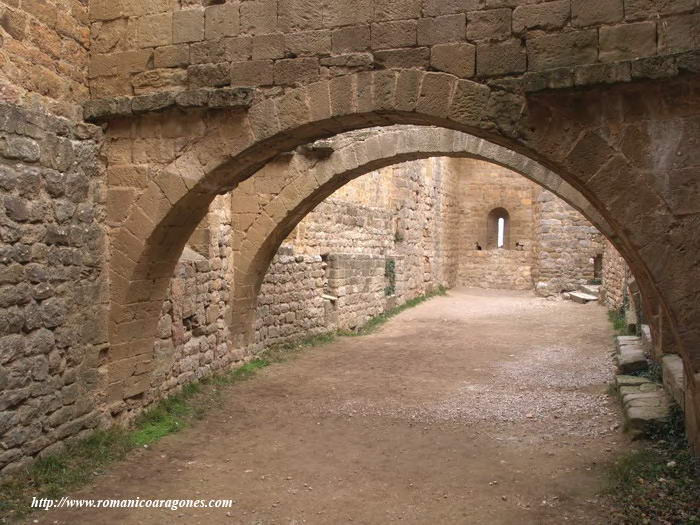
x=192 y=333
x=615 y=274
x=53 y=294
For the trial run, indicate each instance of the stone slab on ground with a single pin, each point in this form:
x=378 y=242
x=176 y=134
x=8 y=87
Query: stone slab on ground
x=582 y=298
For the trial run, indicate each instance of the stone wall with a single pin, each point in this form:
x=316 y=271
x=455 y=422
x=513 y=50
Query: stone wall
x=496 y=269
x=44 y=54
x=147 y=46
x=290 y=303
x=566 y=246
x=359 y=283
x=193 y=338
x=615 y=275
x=53 y=295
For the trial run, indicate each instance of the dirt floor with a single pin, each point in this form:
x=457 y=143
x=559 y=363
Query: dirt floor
x=479 y=407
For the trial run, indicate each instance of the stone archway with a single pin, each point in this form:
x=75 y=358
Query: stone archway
x=604 y=150
x=257 y=245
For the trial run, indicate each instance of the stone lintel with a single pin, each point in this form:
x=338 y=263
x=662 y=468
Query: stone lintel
x=101 y=110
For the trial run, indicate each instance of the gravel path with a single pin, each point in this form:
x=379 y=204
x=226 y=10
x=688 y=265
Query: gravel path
x=478 y=407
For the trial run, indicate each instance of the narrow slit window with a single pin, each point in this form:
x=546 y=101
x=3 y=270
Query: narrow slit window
x=498 y=230
x=501 y=232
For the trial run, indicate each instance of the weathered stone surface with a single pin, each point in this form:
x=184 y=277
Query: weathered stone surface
x=456 y=59
x=503 y=58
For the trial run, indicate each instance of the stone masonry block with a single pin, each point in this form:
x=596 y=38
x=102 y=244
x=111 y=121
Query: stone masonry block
x=259 y=17
x=448 y=7
x=679 y=33
x=350 y=39
x=501 y=58
x=252 y=73
x=627 y=41
x=309 y=43
x=645 y=9
x=188 y=25
x=155 y=30
x=221 y=20
x=562 y=50
x=396 y=9
x=459 y=58
x=548 y=16
x=593 y=12
x=441 y=29
x=295 y=70
x=171 y=56
x=416 y=57
x=494 y=24
x=268 y=47
x=388 y=35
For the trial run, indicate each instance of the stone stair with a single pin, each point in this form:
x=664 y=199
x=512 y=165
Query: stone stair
x=586 y=293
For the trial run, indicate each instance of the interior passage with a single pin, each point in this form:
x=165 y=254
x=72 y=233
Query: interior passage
x=480 y=406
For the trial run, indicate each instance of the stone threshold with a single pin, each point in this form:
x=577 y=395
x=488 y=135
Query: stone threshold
x=101 y=110
x=650 y=68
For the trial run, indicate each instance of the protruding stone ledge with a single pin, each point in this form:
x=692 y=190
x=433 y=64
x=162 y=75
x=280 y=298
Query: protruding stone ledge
x=101 y=110
x=650 y=68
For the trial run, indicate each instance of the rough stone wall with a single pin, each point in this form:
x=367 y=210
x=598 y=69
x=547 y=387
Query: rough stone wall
x=359 y=282
x=496 y=269
x=162 y=45
x=44 y=54
x=484 y=187
x=409 y=211
x=192 y=332
x=615 y=274
x=290 y=302
x=566 y=245
x=53 y=300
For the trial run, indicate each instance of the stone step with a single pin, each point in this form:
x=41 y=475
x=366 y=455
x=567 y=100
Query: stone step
x=582 y=298
x=590 y=289
x=631 y=359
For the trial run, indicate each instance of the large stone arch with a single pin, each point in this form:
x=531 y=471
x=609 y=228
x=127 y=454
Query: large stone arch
x=315 y=180
x=605 y=142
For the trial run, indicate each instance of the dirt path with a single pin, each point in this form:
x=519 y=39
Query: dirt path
x=475 y=408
